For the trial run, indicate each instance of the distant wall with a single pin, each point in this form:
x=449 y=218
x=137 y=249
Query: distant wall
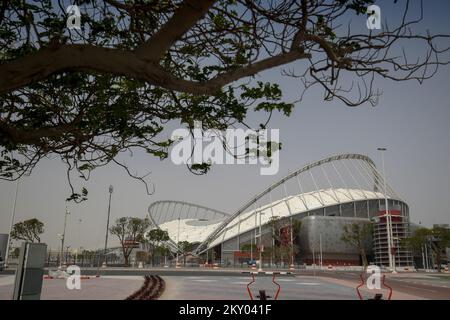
x=330 y=230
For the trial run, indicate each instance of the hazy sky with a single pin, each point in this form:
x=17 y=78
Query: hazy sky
x=411 y=120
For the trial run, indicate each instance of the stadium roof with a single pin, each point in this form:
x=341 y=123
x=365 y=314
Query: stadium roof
x=338 y=179
x=197 y=230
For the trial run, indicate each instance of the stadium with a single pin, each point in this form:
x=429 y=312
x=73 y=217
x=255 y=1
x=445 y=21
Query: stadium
x=297 y=220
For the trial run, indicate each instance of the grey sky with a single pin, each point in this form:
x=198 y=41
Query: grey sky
x=411 y=120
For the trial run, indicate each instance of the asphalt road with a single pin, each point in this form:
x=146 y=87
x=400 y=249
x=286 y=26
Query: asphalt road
x=304 y=285
x=434 y=287
x=235 y=288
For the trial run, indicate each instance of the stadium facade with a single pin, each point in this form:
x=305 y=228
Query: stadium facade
x=324 y=196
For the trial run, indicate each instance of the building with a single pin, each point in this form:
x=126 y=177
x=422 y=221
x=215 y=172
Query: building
x=324 y=196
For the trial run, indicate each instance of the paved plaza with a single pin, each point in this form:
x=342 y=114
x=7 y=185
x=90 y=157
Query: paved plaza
x=197 y=284
x=103 y=288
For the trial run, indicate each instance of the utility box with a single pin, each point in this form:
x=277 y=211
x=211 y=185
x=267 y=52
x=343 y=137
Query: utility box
x=30 y=271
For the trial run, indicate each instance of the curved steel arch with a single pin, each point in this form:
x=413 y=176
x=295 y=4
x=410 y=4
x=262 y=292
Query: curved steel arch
x=291 y=175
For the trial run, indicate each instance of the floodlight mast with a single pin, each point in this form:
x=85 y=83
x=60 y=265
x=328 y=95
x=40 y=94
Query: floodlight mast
x=387 y=215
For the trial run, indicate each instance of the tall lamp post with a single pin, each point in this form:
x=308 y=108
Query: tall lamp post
x=111 y=189
x=63 y=237
x=13 y=214
x=292 y=267
x=177 y=265
x=387 y=214
x=260 y=242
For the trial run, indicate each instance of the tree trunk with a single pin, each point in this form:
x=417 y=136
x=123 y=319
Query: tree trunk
x=438 y=260
x=364 y=259
x=153 y=256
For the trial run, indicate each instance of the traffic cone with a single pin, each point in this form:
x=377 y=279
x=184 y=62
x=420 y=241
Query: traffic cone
x=254 y=266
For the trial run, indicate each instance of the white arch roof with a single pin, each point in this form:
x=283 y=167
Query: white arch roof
x=192 y=230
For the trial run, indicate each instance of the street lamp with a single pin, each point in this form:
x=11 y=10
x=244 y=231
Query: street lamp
x=111 y=189
x=79 y=231
x=260 y=243
x=13 y=214
x=397 y=245
x=67 y=253
x=177 y=265
x=63 y=237
x=320 y=249
x=291 y=267
x=387 y=214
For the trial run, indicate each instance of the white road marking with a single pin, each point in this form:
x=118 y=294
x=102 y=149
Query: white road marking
x=286 y=280
x=308 y=283
x=205 y=280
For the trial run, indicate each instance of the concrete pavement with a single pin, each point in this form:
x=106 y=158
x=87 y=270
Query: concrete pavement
x=118 y=283
x=104 y=288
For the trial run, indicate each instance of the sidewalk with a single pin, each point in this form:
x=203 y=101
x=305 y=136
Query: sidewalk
x=103 y=288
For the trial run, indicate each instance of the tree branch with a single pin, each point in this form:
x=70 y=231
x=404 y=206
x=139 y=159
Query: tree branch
x=45 y=62
x=181 y=22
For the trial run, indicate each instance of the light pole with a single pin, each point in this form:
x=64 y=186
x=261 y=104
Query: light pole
x=111 y=189
x=423 y=257
x=13 y=214
x=63 y=237
x=320 y=248
x=292 y=267
x=79 y=231
x=387 y=214
x=256 y=227
x=251 y=248
x=394 y=258
x=67 y=253
x=177 y=265
x=260 y=243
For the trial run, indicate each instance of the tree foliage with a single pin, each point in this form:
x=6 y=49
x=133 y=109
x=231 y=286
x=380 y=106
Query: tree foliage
x=129 y=230
x=28 y=230
x=357 y=234
x=437 y=238
x=156 y=237
x=88 y=95
x=186 y=246
x=282 y=232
